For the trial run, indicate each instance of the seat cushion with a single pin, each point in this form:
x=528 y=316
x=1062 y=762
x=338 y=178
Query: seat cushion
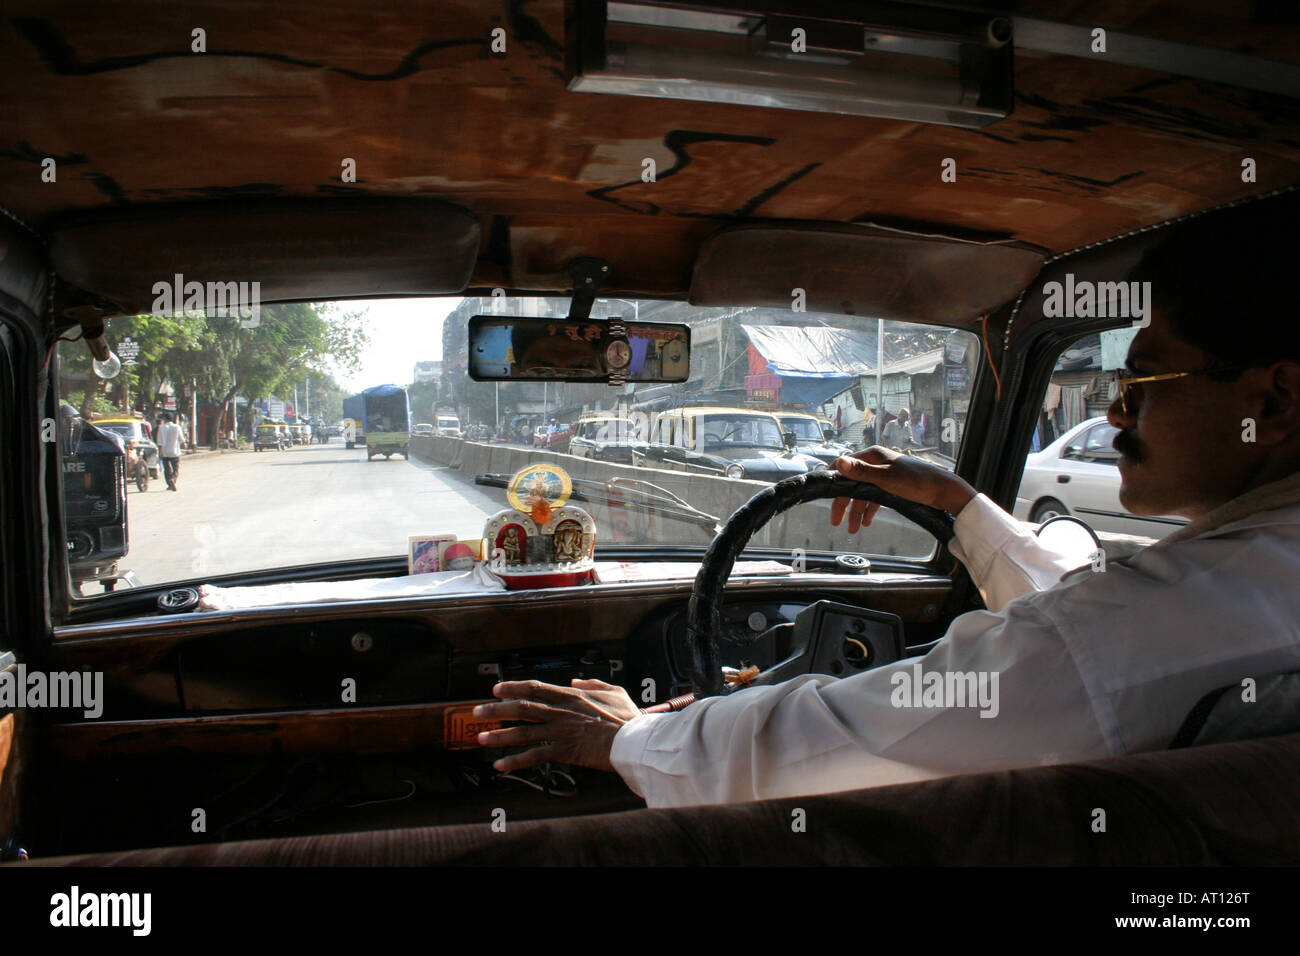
x=1228 y=804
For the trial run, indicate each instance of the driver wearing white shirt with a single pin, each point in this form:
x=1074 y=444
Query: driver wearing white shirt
x=1075 y=667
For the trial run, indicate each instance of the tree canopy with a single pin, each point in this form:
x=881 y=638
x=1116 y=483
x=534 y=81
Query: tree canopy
x=218 y=357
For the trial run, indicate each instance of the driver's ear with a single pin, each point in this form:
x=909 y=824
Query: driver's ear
x=1279 y=404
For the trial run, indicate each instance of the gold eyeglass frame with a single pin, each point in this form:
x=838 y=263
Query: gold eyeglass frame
x=1123 y=383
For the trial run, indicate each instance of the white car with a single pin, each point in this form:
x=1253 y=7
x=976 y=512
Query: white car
x=424 y=430
x=449 y=426
x=1078 y=474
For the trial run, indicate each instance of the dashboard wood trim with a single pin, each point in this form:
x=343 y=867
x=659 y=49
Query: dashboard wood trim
x=356 y=730
x=916 y=598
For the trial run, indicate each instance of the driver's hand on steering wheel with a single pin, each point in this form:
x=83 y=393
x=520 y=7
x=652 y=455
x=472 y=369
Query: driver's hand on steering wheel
x=575 y=725
x=899 y=474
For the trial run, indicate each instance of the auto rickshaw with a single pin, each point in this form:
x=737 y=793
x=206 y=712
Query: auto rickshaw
x=267 y=435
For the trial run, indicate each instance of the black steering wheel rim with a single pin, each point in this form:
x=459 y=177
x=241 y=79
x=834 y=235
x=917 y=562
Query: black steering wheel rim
x=704 y=613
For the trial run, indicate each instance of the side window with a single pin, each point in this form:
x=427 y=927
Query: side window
x=1081 y=387
x=1072 y=437
x=1099 y=447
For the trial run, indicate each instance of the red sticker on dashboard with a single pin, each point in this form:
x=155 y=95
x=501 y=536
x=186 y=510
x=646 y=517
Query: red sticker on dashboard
x=461 y=728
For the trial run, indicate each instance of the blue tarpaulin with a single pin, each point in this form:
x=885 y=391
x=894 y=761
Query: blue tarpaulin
x=802 y=388
x=815 y=363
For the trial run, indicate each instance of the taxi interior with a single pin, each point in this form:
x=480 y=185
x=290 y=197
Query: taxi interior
x=480 y=168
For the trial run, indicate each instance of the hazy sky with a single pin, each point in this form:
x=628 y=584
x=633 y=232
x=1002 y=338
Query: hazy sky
x=402 y=332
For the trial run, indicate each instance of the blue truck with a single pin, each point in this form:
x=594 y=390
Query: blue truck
x=379 y=419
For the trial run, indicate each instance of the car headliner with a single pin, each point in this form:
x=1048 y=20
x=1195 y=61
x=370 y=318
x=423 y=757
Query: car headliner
x=411 y=91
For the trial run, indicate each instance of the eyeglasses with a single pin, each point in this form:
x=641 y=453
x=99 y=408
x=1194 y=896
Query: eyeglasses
x=1125 y=385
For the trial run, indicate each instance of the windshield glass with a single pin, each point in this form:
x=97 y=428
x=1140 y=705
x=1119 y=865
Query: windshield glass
x=760 y=431
x=805 y=429
x=669 y=461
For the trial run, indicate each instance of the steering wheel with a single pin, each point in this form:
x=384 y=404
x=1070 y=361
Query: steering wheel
x=703 y=621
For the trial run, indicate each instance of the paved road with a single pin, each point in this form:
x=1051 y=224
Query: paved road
x=242 y=511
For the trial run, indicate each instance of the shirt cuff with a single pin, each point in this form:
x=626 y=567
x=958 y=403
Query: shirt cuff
x=628 y=753
x=982 y=529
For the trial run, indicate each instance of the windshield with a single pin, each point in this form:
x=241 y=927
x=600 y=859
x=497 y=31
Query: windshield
x=670 y=461
x=805 y=429
x=760 y=431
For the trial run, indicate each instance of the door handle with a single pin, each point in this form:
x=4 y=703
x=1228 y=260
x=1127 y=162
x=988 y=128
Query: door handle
x=1062 y=479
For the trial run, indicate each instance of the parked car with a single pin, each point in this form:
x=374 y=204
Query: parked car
x=813 y=436
x=142 y=462
x=735 y=442
x=1078 y=475
x=423 y=430
x=605 y=438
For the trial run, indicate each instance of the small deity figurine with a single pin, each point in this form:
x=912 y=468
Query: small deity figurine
x=510 y=545
x=568 y=543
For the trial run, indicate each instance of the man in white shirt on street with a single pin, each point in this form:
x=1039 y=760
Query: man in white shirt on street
x=1086 y=664
x=169 y=449
x=898 y=433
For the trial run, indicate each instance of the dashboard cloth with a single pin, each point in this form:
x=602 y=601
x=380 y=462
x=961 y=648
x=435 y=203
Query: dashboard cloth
x=477 y=581
x=1057 y=670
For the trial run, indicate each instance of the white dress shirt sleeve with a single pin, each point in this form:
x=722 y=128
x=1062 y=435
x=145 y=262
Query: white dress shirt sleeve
x=817 y=734
x=1005 y=559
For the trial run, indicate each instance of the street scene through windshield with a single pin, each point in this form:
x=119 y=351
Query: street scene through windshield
x=339 y=431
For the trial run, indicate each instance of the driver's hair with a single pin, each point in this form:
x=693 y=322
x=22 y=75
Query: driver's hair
x=1227 y=283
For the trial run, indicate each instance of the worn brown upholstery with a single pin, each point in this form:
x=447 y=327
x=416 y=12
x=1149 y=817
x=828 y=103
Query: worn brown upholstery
x=1229 y=804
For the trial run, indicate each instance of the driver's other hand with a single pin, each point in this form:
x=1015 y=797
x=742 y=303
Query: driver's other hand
x=899 y=474
x=574 y=725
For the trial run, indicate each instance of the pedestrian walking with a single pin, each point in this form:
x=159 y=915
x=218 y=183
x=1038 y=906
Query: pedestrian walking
x=169 y=449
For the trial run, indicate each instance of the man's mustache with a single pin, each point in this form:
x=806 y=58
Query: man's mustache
x=1126 y=445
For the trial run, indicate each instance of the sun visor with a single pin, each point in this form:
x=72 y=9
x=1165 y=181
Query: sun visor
x=297 y=250
x=861 y=269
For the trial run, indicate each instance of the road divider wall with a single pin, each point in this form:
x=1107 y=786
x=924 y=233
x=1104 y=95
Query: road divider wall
x=806 y=526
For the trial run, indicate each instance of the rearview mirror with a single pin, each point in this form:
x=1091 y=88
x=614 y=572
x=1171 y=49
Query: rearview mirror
x=513 y=348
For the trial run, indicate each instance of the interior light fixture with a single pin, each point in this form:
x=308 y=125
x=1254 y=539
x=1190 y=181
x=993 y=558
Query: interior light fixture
x=927 y=64
x=104 y=360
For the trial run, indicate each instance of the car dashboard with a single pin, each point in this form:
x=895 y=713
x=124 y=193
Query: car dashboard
x=311 y=712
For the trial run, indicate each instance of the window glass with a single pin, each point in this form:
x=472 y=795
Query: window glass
x=1072 y=464
x=300 y=443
